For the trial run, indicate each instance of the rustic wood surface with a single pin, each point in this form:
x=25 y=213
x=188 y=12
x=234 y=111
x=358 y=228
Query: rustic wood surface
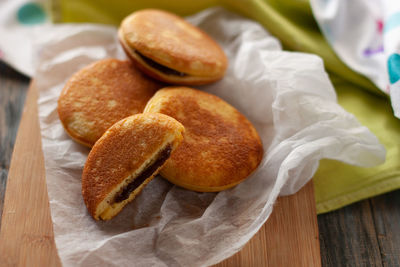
x=366 y=233
x=12 y=96
x=26 y=236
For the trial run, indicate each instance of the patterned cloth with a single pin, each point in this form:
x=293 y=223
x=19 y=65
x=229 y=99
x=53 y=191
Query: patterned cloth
x=366 y=36
x=18 y=20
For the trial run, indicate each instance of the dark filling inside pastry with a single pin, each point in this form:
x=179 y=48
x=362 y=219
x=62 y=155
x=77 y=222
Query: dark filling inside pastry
x=146 y=173
x=160 y=67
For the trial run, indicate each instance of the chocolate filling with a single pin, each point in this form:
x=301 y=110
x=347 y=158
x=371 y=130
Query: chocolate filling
x=129 y=188
x=160 y=67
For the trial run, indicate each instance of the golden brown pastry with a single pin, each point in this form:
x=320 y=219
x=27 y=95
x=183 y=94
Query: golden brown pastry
x=221 y=147
x=125 y=159
x=101 y=94
x=170 y=49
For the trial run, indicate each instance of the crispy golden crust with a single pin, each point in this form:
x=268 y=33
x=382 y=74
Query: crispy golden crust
x=122 y=151
x=172 y=42
x=168 y=78
x=101 y=94
x=221 y=147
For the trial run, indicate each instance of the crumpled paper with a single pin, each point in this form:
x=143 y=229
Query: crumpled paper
x=287 y=96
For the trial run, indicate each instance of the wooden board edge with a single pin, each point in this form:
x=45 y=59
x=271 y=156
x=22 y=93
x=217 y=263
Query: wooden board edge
x=26 y=233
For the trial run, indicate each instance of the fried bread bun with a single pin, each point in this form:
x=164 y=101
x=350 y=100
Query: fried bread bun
x=221 y=147
x=101 y=94
x=170 y=49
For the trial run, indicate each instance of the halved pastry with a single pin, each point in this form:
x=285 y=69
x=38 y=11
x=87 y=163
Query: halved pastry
x=125 y=159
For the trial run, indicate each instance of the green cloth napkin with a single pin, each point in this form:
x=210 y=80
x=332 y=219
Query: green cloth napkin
x=336 y=184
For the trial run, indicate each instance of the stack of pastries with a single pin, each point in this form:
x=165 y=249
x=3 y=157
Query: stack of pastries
x=139 y=117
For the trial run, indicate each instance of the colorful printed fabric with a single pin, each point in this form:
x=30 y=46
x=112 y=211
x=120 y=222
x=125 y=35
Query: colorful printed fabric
x=18 y=20
x=366 y=36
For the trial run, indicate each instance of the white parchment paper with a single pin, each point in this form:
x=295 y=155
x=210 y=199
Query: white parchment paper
x=287 y=96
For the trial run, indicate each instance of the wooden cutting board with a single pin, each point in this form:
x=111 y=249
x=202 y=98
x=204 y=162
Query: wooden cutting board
x=288 y=238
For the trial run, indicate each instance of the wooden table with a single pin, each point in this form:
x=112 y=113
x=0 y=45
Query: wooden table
x=363 y=234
